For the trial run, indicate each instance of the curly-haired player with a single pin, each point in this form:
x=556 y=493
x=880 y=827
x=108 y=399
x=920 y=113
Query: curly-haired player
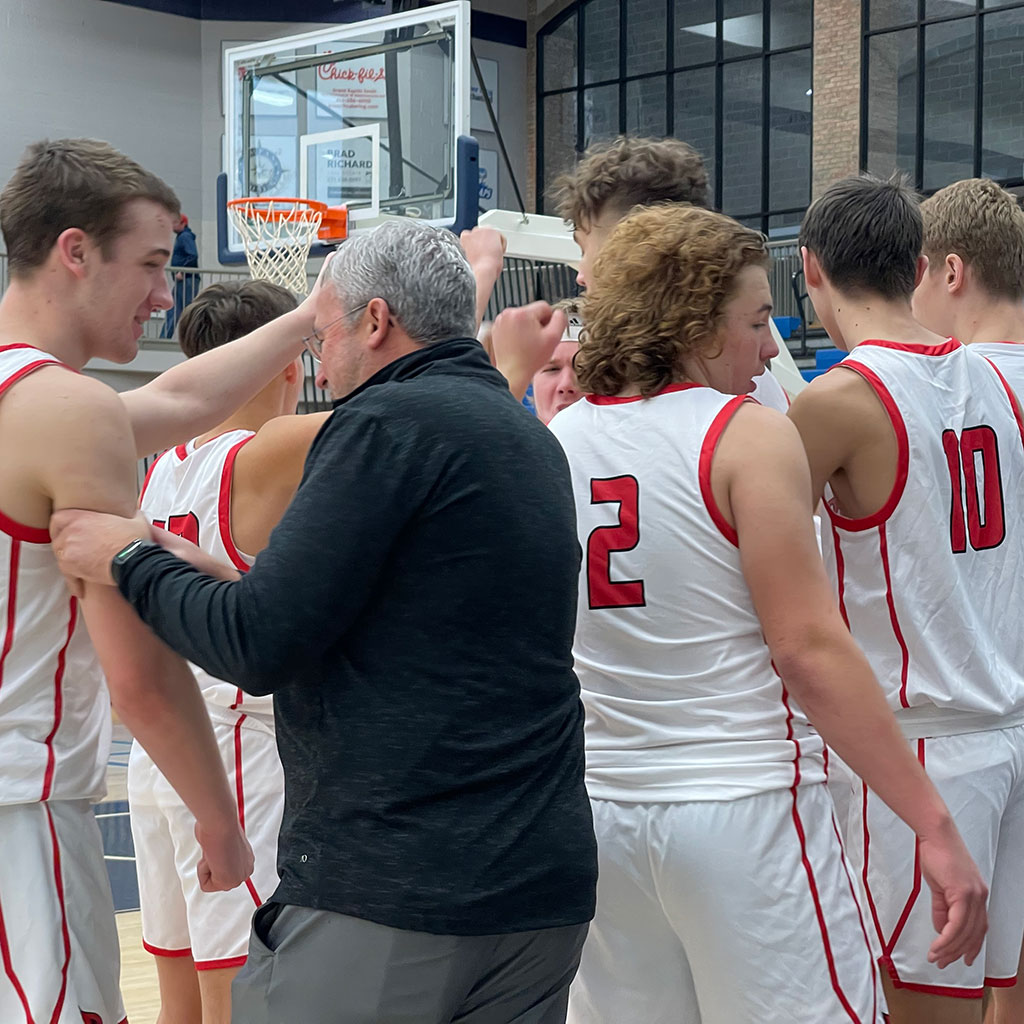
x=723 y=892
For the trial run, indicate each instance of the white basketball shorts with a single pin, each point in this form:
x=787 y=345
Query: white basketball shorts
x=59 y=957
x=981 y=777
x=178 y=918
x=732 y=912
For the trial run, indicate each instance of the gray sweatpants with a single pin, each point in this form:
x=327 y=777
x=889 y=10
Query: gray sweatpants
x=317 y=967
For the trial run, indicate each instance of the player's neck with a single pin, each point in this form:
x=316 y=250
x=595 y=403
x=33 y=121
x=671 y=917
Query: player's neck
x=251 y=416
x=30 y=316
x=985 y=318
x=860 y=318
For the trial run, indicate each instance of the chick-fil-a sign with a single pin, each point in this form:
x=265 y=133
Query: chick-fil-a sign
x=354 y=88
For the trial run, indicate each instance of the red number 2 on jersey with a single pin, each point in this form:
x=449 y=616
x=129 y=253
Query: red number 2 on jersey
x=965 y=508
x=186 y=526
x=602 y=590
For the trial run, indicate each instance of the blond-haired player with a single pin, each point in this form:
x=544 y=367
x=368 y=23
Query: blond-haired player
x=974 y=289
x=706 y=645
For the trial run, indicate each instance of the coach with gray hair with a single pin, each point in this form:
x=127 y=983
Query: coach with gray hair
x=413 y=618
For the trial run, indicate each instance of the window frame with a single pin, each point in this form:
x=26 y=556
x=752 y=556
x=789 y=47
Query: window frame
x=669 y=72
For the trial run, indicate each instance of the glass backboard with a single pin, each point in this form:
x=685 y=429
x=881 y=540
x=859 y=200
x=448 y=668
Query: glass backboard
x=367 y=114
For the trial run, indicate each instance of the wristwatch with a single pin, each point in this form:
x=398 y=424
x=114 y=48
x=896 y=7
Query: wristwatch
x=126 y=554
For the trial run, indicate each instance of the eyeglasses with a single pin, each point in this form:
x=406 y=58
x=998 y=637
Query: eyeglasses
x=315 y=342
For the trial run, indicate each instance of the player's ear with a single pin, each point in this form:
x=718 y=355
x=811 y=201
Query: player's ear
x=72 y=248
x=956 y=273
x=812 y=268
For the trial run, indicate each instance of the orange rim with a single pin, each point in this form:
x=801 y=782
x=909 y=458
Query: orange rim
x=254 y=204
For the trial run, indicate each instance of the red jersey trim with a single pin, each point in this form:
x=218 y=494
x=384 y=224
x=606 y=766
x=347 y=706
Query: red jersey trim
x=950 y=345
x=19 y=531
x=890 y=600
x=12 y=605
x=218 y=965
x=616 y=400
x=1010 y=395
x=707 y=452
x=902 y=453
x=837 y=547
x=240 y=799
x=58 y=698
x=149 y=476
x=157 y=951
x=224 y=506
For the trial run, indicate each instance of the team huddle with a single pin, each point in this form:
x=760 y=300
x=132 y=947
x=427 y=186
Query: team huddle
x=794 y=791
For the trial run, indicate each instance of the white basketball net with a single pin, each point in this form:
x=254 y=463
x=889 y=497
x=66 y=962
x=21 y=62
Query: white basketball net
x=277 y=234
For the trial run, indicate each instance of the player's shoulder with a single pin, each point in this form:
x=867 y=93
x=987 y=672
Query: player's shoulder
x=842 y=391
x=55 y=395
x=753 y=428
x=280 y=442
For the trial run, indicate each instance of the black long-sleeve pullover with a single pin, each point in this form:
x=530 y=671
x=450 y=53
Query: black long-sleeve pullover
x=413 y=617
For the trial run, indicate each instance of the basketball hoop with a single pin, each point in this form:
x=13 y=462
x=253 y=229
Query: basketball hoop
x=277 y=232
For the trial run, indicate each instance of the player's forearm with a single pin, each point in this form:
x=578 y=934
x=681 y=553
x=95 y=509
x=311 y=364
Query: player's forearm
x=156 y=695
x=199 y=393
x=833 y=683
x=486 y=274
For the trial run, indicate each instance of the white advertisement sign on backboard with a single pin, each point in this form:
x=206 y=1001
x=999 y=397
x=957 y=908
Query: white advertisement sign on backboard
x=353 y=88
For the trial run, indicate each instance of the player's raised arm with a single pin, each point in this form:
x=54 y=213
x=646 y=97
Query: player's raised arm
x=197 y=394
x=82 y=447
x=760 y=476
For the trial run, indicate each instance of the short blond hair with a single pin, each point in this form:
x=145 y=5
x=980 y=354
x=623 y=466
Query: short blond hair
x=660 y=284
x=984 y=225
x=628 y=172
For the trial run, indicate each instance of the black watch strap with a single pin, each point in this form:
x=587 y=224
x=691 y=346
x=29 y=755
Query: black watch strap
x=126 y=554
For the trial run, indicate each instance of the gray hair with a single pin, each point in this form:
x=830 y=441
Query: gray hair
x=418 y=270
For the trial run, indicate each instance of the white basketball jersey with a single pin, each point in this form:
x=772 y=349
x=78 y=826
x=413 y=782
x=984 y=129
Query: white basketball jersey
x=681 y=697
x=1008 y=359
x=932 y=584
x=54 y=708
x=188 y=492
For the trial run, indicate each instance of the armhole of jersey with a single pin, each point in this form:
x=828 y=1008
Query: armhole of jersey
x=1011 y=396
x=149 y=475
x=224 y=506
x=902 y=453
x=707 y=453
x=20 y=531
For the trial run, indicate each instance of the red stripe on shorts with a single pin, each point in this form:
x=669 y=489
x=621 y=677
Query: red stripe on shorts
x=58 y=882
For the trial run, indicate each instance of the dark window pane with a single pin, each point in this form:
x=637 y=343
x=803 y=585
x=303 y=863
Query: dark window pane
x=645 y=36
x=886 y=13
x=756 y=222
x=559 y=141
x=742 y=29
x=600 y=113
x=784 y=225
x=645 y=107
x=558 y=56
x=948 y=8
x=695 y=32
x=892 y=101
x=790 y=23
x=741 y=137
x=949 y=83
x=1002 y=116
x=789 y=131
x=695 y=117
x=600 y=40
x=997 y=3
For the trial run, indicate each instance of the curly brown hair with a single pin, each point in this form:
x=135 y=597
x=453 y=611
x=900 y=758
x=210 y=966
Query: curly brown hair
x=628 y=172
x=660 y=283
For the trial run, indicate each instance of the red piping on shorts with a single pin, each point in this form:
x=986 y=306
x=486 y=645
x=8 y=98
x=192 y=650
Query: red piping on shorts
x=65 y=934
x=934 y=990
x=5 y=953
x=217 y=965
x=812 y=885
x=58 y=698
x=157 y=951
x=860 y=917
x=883 y=550
x=1001 y=982
x=240 y=796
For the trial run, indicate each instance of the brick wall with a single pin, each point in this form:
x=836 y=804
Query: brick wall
x=836 y=138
